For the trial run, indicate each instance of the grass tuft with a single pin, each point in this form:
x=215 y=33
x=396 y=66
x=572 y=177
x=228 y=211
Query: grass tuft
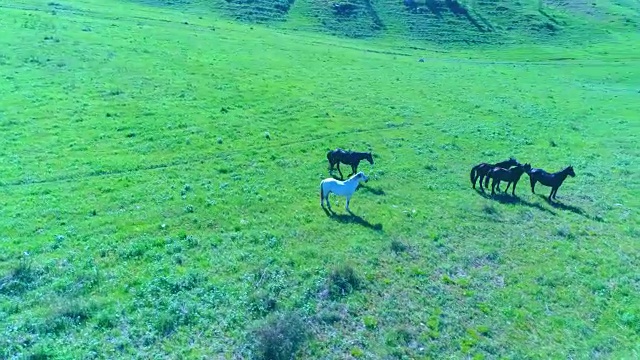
x=490 y=209
x=40 y=355
x=398 y=246
x=20 y=279
x=262 y=302
x=69 y=314
x=565 y=232
x=165 y=324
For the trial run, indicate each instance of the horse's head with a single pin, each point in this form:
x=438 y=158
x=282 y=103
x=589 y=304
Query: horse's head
x=362 y=177
x=527 y=168
x=512 y=162
x=369 y=157
x=570 y=171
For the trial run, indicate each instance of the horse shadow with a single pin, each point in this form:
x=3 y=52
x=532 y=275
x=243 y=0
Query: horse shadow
x=372 y=190
x=504 y=198
x=561 y=206
x=351 y=218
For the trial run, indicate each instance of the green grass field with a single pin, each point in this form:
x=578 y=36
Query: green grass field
x=161 y=166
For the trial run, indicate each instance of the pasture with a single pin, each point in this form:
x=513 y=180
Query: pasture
x=159 y=191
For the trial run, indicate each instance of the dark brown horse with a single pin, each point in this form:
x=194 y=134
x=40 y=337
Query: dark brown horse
x=352 y=158
x=508 y=175
x=480 y=171
x=554 y=180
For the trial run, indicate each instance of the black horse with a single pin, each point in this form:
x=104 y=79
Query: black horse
x=508 y=175
x=554 y=180
x=352 y=158
x=480 y=171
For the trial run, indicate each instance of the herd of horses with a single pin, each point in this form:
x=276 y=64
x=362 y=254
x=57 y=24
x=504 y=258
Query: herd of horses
x=509 y=171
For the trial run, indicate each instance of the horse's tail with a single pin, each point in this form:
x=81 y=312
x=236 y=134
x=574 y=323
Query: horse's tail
x=321 y=191
x=473 y=174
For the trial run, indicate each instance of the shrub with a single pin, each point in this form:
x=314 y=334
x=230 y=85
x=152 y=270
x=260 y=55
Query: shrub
x=281 y=337
x=343 y=280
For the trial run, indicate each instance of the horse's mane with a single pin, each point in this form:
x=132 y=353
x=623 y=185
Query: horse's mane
x=351 y=151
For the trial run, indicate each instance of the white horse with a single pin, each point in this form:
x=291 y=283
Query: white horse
x=341 y=188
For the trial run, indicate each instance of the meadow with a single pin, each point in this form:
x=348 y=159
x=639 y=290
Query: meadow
x=160 y=189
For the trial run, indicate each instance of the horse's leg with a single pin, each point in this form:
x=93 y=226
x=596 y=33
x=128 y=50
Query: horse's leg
x=532 y=181
x=481 y=178
x=341 y=177
x=507 y=189
x=498 y=186
x=551 y=193
x=493 y=186
x=513 y=189
x=325 y=197
x=556 y=192
x=472 y=176
x=347 y=205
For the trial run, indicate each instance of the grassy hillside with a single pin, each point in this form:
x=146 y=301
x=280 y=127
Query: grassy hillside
x=160 y=188
x=441 y=21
